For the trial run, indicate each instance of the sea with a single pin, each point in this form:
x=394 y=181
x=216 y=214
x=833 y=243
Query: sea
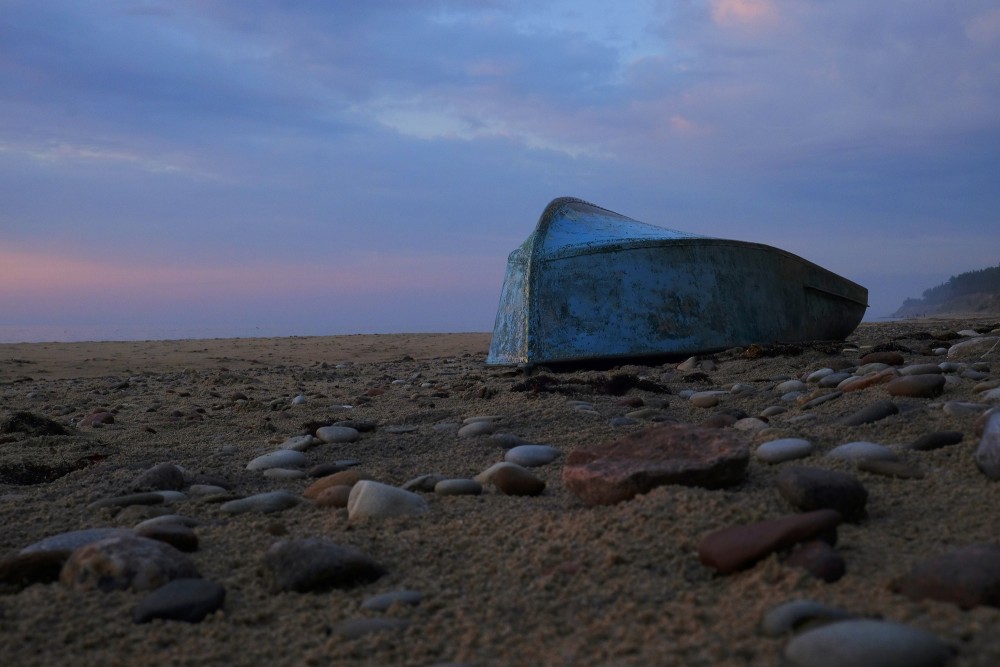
x=48 y=333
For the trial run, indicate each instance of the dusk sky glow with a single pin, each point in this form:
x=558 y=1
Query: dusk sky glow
x=330 y=167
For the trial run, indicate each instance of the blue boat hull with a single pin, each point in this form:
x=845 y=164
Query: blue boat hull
x=590 y=284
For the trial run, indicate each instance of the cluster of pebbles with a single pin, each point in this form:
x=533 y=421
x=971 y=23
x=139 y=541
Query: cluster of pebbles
x=445 y=512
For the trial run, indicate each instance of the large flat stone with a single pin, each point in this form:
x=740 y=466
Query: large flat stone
x=615 y=471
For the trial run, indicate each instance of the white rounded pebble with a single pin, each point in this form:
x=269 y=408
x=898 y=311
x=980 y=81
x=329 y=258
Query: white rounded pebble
x=300 y=443
x=790 y=385
x=337 y=434
x=371 y=499
x=816 y=376
x=867 y=642
x=706 y=399
x=785 y=449
x=283 y=458
x=531 y=456
x=861 y=450
x=476 y=428
x=299 y=400
x=481 y=418
x=263 y=503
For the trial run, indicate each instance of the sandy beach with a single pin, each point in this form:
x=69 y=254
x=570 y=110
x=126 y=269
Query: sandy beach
x=499 y=579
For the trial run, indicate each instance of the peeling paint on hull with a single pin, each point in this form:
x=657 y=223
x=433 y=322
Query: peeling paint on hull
x=590 y=284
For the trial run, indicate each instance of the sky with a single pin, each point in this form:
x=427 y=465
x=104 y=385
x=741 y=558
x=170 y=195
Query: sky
x=333 y=167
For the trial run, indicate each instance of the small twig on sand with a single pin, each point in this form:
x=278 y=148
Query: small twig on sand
x=990 y=351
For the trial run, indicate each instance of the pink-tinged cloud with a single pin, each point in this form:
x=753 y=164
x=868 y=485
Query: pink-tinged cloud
x=984 y=29
x=744 y=13
x=31 y=277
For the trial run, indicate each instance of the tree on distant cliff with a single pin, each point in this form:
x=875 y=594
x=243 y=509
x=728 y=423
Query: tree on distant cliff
x=983 y=281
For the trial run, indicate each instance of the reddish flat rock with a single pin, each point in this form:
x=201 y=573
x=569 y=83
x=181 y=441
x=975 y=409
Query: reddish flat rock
x=967 y=577
x=615 y=471
x=737 y=547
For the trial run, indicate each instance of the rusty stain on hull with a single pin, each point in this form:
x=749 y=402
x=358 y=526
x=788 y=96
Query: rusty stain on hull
x=592 y=284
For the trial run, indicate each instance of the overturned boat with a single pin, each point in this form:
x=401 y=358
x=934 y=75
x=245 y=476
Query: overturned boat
x=590 y=284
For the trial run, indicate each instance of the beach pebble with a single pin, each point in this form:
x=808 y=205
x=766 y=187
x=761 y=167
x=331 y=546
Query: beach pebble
x=794 y=615
x=790 y=386
x=611 y=472
x=532 y=456
x=856 y=451
x=868 y=369
x=916 y=386
x=773 y=411
x=888 y=358
x=173 y=533
x=458 y=487
x=337 y=434
x=706 y=399
x=341 y=478
x=514 y=480
x=163 y=476
x=921 y=369
x=734 y=548
x=936 y=440
x=819 y=397
x=370 y=499
x=18 y=571
x=207 y=490
x=117 y=563
x=966 y=576
x=974 y=348
x=425 y=483
x=963 y=408
x=750 y=425
x=852 y=643
x=476 y=429
x=507 y=439
x=988 y=451
x=188 y=600
x=333 y=496
x=819 y=559
x=283 y=458
x=807 y=489
x=621 y=420
x=383 y=601
x=300 y=443
x=148 y=498
x=818 y=375
x=317 y=564
x=785 y=449
x=870 y=380
x=167 y=518
x=261 y=503
x=834 y=379
x=75 y=539
x=897 y=469
x=871 y=413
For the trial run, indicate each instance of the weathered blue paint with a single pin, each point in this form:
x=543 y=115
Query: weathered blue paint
x=593 y=284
